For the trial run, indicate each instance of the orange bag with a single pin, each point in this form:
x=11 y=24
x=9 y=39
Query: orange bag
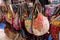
x=38 y=24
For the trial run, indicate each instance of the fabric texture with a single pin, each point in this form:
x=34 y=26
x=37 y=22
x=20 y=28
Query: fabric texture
x=16 y=23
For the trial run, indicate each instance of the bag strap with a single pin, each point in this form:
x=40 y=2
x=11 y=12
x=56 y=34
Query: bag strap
x=36 y=5
x=57 y=9
x=24 y=9
x=11 y=9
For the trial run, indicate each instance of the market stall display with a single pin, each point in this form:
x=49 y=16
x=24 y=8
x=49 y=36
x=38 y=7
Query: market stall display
x=23 y=20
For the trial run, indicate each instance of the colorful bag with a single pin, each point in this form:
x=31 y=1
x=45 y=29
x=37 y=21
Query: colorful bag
x=50 y=9
x=15 y=22
x=38 y=26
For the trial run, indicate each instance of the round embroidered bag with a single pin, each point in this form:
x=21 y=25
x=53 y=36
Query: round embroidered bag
x=38 y=26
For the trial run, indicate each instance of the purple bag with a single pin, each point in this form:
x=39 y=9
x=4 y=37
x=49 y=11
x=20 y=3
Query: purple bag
x=50 y=9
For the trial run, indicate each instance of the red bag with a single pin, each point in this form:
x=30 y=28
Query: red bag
x=54 y=31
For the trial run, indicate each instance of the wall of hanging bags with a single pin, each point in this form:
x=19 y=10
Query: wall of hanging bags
x=37 y=25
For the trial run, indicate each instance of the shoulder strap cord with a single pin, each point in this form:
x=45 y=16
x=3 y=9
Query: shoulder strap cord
x=20 y=18
x=34 y=8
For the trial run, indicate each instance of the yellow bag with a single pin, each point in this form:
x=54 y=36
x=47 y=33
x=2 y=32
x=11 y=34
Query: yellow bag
x=55 y=21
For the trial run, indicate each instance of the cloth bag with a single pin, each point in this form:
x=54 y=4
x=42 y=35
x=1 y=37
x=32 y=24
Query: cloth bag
x=38 y=26
x=50 y=9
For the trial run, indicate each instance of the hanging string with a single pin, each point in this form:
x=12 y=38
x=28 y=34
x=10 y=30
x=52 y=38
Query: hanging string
x=11 y=9
x=37 y=1
x=57 y=10
x=34 y=9
x=20 y=12
x=37 y=10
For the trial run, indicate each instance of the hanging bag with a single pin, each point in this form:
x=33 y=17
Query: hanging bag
x=38 y=26
x=10 y=30
x=16 y=21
